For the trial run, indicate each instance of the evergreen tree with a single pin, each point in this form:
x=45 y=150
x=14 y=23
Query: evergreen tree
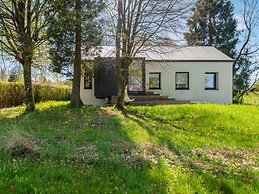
x=213 y=24
x=75 y=27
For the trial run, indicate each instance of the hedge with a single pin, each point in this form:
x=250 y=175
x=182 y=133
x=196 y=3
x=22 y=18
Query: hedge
x=12 y=93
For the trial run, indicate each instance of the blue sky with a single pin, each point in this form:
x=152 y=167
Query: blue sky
x=238 y=4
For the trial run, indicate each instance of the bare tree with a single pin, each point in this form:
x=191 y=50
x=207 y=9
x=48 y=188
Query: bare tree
x=139 y=26
x=76 y=100
x=245 y=67
x=22 y=24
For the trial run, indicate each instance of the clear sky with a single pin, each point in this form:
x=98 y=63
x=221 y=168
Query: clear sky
x=238 y=4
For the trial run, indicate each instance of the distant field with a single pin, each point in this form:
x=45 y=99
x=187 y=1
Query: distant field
x=252 y=98
x=199 y=148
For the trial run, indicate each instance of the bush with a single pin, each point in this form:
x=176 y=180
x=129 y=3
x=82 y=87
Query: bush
x=12 y=93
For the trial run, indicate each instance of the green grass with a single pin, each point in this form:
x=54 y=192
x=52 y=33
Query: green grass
x=252 y=98
x=150 y=149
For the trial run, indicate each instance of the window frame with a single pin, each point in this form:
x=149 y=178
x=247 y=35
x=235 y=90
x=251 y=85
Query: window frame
x=88 y=79
x=215 y=80
x=188 y=79
x=155 y=88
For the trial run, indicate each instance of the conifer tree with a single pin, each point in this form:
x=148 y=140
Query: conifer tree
x=74 y=28
x=213 y=24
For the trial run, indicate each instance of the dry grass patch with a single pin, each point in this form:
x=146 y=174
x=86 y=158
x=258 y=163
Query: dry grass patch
x=17 y=144
x=86 y=154
x=232 y=158
x=138 y=155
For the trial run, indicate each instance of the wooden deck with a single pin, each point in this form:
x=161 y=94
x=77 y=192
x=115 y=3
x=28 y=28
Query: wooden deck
x=152 y=99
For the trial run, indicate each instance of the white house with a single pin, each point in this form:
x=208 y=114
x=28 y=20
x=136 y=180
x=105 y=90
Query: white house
x=194 y=74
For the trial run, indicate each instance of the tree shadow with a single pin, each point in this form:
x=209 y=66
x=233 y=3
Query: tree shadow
x=93 y=147
x=87 y=143
x=215 y=180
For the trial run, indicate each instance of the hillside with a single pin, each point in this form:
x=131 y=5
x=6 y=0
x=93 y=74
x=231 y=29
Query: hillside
x=149 y=149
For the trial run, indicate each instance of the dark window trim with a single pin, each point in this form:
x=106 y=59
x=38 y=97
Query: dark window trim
x=88 y=78
x=158 y=88
x=214 y=81
x=188 y=81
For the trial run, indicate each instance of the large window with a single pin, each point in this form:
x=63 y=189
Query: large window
x=210 y=81
x=88 y=83
x=182 y=81
x=136 y=77
x=155 y=81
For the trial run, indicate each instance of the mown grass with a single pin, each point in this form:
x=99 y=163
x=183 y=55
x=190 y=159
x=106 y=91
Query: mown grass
x=148 y=149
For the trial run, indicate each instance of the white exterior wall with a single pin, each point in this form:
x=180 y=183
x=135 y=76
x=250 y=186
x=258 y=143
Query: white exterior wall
x=196 y=92
x=196 y=71
x=87 y=95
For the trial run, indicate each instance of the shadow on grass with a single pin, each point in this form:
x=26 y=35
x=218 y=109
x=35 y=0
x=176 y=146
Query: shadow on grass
x=215 y=179
x=88 y=150
x=81 y=150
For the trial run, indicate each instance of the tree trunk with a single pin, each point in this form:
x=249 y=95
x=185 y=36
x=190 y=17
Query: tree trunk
x=76 y=100
x=29 y=99
x=121 y=86
x=119 y=66
x=123 y=75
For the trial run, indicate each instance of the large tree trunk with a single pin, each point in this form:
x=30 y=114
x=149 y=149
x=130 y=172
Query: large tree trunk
x=29 y=99
x=121 y=86
x=76 y=100
x=119 y=67
x=123 y=73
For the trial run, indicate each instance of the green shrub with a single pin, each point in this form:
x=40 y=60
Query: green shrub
x=12 y=93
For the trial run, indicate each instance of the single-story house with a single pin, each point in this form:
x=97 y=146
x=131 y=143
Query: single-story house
x=194 y=73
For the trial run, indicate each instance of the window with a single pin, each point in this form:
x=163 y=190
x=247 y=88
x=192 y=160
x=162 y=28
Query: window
x=210 y=81
x=136 y=77
x=155 y=81
x=182 y=81
x=88 y=83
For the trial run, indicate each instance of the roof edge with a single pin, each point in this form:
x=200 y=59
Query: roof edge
x=232 y=60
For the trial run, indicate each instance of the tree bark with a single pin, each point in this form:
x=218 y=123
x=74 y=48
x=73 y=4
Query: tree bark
x=121 y=86
x=120 y=102
x=76 y=100
x=122 y=72
x=29 y=99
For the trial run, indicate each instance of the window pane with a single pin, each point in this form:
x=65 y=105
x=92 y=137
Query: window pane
x=182 y=80
x=210 y=80
x=154 y=80
x=135 y=77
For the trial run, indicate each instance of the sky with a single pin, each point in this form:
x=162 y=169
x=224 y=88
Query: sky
x=238 y=5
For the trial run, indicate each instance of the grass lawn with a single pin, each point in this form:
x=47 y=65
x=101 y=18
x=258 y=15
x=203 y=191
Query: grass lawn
x=151 y=149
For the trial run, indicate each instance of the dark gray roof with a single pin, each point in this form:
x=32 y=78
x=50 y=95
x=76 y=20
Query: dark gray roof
x=166 y=53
